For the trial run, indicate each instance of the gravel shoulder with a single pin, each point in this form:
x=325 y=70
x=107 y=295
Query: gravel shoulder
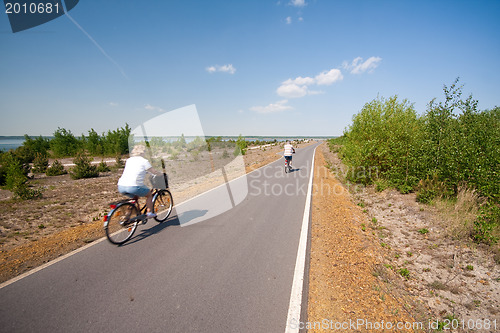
x=378 y=254
x=344 y=287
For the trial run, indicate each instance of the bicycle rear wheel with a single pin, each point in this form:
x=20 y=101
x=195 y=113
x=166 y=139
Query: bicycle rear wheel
x=162 y=205
x=118 y=227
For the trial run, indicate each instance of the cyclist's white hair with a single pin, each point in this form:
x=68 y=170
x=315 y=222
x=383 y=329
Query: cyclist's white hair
x=138 y=150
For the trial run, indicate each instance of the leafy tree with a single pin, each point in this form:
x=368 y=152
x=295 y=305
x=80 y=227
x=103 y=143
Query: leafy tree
x=64 y=143
x=37 y=145
x=94 y=143
x=116 y=142
x=383 y=140
x=16 y=180
x=452 y=144
x=241 y=146
x=14 y=172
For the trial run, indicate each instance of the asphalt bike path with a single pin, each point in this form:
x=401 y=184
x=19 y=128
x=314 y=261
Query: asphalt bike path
x=230 y=272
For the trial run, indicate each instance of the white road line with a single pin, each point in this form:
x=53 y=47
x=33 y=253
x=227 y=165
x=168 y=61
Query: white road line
x=294 y=309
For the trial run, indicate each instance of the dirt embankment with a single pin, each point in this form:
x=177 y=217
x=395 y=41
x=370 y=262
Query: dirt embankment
x=345 y=291
x=382 y=256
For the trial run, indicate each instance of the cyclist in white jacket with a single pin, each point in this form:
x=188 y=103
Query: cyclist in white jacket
x=289 y=150
x=131 y=183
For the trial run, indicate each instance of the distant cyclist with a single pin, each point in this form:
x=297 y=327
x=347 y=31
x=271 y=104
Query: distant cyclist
x=289 y=150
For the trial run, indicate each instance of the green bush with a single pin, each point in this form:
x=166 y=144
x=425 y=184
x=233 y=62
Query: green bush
x=3 y=168
x=486 y=227
x=64 y=143
x=381 y=184
x=241 y=146
x=103 y=167
x=384 y=135
x=37 y=145
x=56 y=169
x=94 y=143
x=16 y=180
x=119 y=162
x=116 y=142
x=24 y=192
x=83 y=168
x=335 y=143
x=14 y=176
x=452 y=144
x=40 y=163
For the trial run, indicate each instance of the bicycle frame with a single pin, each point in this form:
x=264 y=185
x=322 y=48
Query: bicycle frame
x=135 y=201
x=288 y=167
x=122 y=221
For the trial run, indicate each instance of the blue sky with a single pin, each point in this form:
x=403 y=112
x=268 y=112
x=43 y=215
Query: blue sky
x=251 y=67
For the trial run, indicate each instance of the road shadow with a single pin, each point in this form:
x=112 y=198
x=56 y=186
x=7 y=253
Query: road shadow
x=192 y=214
x=173 y=220
x=154 y=228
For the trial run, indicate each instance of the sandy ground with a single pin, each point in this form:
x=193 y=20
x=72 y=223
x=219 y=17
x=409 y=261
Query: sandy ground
x=433 y=275
x=345 y=290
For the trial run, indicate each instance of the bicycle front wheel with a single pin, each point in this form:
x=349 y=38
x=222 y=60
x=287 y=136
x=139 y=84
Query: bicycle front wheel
x=162 y=205
x=118 y=227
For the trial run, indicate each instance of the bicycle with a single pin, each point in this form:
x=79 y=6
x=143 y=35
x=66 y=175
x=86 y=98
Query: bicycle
x=125 y=215
x=288 y=167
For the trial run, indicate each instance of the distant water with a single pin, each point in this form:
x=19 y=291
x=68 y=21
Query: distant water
x=7 y=143
x=10 y=143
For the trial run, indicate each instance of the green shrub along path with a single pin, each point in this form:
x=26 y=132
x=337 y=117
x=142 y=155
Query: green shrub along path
x=452 y=145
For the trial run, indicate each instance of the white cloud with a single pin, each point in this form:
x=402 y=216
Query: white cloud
x=288 y=20
x=358 y=66
x=279 y=106
x=153 y=108
x=229 y=68
x=113 y=104
x=298 y=3
x=315 y=92
x=328 y=77
x=300 y=86
x=292 y=90
x=301 y=81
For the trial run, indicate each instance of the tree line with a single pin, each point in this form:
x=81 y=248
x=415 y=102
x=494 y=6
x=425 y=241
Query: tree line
x=452 y=145
x=34 y=154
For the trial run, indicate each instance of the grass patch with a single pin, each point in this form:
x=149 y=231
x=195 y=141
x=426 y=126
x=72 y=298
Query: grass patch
x=423 y=231
x=437 y=285
x=404 y=272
